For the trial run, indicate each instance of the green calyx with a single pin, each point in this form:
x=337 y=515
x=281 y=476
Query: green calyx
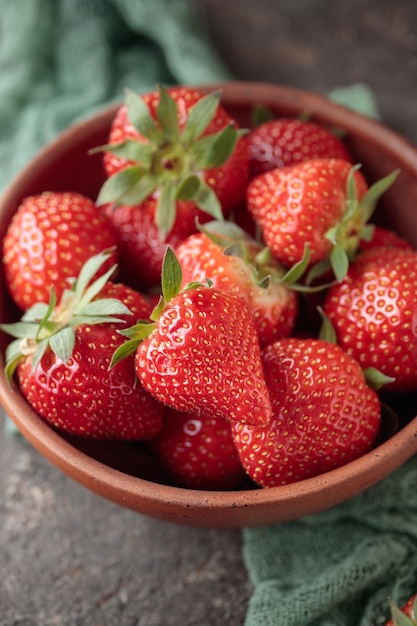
x=264 y=268
x=53 y=325
x=345 y=236
x=171 y=286
x=399 y=618
x=171 y=159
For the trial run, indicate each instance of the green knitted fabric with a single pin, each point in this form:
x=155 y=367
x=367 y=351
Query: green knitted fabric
x=337 y=568
x=61 y=60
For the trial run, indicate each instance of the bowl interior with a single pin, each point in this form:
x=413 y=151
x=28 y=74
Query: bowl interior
x=125 y=472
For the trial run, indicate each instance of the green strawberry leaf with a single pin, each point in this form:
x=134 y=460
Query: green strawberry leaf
x=214 y=150
x=35 y=313
x=21 y=330
x=119 y=185
x=105 y=307
x=140 y=117
x=130 y=149
x=171 y=277
x=327 y=331
x=199 y=116
x=62 y=343
x=318 y=269
x=188 y=188
x=294 y=274
x=400 y=619
x=13 y=357
x=222 y=232
x=208 y=202
x=376 y=379
x=167 y=115
x=237 y=249
x=339 y=261
x=166 y=209
x=38 y=354
x=123 y=351
x=367 y=232
x=370 y=199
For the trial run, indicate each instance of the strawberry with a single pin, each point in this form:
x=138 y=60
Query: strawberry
x=285 y=141
x=179 y=147
x=321 y=205
x=233 y=262
x=201 y=353
x=198 y=451
x=141 y=250
x=62 y=355
x=48 y=240
x=406 y=616
x=373 y=313
x=323 y=414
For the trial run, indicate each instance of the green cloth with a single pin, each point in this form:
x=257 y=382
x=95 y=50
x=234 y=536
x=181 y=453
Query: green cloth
x=337 y=568
x=61 y=60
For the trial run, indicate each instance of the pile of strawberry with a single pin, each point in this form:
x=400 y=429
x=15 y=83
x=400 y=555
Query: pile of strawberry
x=225 y=297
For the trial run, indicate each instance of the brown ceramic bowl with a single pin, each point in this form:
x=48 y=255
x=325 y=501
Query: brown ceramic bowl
x=126 y=473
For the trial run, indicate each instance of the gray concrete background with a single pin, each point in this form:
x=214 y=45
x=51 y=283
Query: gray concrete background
x=70 y=558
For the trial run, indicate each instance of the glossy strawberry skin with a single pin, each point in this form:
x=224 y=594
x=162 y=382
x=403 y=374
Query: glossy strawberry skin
x=140 y=249
x=86 y=398
x=198 y=451
x=274 y=308
x=324 y=414
x=50 y=237
x=203 y=357
x=285 y=141
x=373 y=312
x=228 y=181
x=297 y=205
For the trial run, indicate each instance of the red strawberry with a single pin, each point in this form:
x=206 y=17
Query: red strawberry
x=322 y=204
x=141 y=250
x=323 y=414
x=62 y=355
x=201 y=353
x=285 y=141
x=198 y=451
x=48 y=240
x=373 y=311
x=406 y=616
x=179 y=147
x=245 y=271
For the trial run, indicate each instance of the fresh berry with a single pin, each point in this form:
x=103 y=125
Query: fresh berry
x=373 y=311
x=140 y=249
x=285 y=141
x=406 y=616
x=48 y=240
x=322 y=205
x=62 y=355
x=179 y=147
x=233 y=262
x=201 y=352
x=198 y=451
x=323 y=414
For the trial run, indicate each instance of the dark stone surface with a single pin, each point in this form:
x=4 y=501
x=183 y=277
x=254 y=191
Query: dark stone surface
x=70 y=558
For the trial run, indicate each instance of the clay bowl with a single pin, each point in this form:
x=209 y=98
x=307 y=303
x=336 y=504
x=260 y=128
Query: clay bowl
x=126 y=473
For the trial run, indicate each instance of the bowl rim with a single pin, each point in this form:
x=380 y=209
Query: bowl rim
x=200 y=507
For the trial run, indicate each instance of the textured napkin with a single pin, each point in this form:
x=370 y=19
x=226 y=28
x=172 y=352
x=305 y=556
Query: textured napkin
x=61 y=60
